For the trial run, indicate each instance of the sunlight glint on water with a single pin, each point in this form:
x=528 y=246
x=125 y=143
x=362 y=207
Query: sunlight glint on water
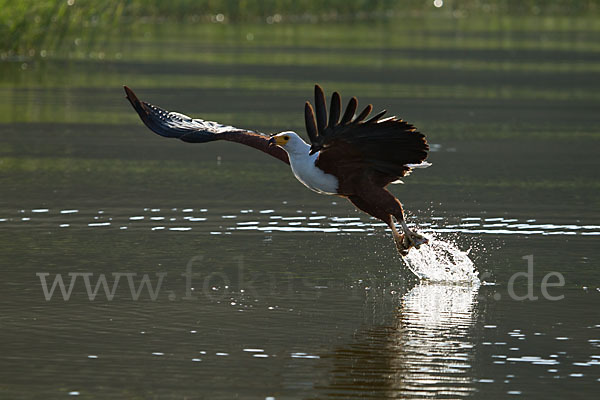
x=435 y=322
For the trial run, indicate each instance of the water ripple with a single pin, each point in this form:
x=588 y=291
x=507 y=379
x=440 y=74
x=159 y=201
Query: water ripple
x=288 y=221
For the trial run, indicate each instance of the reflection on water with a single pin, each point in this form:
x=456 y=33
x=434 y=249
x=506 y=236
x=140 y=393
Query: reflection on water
x=426 y=353
x=434 y=325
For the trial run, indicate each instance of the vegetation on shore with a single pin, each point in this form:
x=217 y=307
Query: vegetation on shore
x=32 y=28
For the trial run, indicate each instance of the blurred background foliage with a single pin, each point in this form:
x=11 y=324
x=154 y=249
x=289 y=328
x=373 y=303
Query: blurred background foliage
x=42 y=28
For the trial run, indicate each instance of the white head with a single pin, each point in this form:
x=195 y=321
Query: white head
x=291 y=142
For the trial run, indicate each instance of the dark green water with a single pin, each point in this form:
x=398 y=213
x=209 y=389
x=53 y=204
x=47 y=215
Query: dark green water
x=297 y=295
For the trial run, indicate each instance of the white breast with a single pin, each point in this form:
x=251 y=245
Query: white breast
x=303 y=167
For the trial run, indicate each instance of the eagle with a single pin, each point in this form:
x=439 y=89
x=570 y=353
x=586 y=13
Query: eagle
x=349 y=155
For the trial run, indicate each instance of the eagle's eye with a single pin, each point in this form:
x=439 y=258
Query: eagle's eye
x=286 y=138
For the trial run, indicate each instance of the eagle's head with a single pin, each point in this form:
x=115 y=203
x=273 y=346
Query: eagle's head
x=290 y=141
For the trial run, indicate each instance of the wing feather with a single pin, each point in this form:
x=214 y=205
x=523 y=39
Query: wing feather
x=311 y=123
x=321 y=109
x=176 y=125
x=334 y=110
x=388 y=148
x=350 y=111
x=364 y=114
x=375 y=118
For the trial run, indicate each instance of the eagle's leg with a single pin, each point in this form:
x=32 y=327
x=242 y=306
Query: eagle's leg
x=402 y=243
x=408 y=239
x=411 y=238
x=383 y=205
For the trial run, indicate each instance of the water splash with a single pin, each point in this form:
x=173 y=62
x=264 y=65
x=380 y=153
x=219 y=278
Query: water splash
x=441 y=261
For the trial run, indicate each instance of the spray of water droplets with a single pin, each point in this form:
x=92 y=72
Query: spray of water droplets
x=441 y=261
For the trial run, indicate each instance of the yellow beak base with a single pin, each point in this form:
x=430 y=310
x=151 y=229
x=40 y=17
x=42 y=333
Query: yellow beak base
x=280 y=141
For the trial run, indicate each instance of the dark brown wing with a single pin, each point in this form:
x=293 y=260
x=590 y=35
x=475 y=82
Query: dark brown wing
x=176 y=125
x=386 y=147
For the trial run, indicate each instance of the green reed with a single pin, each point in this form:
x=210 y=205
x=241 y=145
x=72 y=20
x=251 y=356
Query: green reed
x=39 y=28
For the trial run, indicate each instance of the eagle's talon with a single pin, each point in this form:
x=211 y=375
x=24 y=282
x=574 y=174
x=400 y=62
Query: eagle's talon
x=417 y=239
x=408 y=240
x=402 y=244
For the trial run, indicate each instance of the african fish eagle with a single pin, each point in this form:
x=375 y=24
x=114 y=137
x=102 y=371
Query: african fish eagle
x=351 y=157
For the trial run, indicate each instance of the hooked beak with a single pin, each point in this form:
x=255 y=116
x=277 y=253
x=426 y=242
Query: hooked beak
x=277 y=140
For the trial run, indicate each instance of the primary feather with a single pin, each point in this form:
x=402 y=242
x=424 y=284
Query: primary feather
x=386 y=146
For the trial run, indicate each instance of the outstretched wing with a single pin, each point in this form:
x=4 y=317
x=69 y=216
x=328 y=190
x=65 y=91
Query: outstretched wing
x=389 y=147
x=176 y=125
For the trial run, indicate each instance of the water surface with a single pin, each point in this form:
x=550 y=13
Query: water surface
x=234 y=280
